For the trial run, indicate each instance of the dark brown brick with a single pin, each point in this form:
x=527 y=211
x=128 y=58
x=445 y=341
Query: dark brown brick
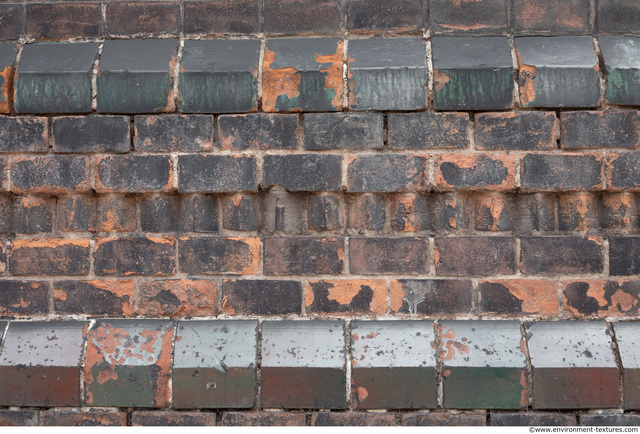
x=63 y=20
x=83 y=418
x=443 y=419
x=532 y=419
x=578 y=212
x=303 y=255
x=450 y=212
x=75 y=134
x=554 y=17
x=601 y=129
x=525 y=131
x=468 y=17
x=619 y=211
x=623 y=256
x=431 y=297
x=602 y=298
x=326 y=418
x=177 y=298
x=365 y=16
x=58 y=174
x=262 y=418
x=409 y=213
x=518 y=297
x=221 y=16
x=6 y=211
x=94 y=297
x=428 y=130
x=366 y=212
x=367 y=296
x=261 y=297
x=32 y=215
x=387 y=173
x=12 y=16
x=495 y=212
x=116 y=214
x=173 y=133
x=23 y=297
x=301 y=16
x=142 y=19
x=538 y=211
x=77 y=213
x=135 y=256
x=474 y=172
x=49 y=256
x=172 y=418
x=219 y=255
x=389 y=255
x=18 y=418
x=482 y=256
x=561 y=255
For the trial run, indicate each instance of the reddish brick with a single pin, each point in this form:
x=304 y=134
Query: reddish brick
x=578 y=212
x=301 y=16
x=409 y=213
x=525 y=131
x=221 y=17
x=219 y=255
x=474 y=172
x=142 y=19
x=94 y=297
x=261 y=297
x=58 y=174
x=366 y=212
x=136 y=256
x=469 y=17
x=116 y=214
x=495 y=212
x=179 y=298
x=172 y=418
x=18 y=418
x=389 y=255
x=619 y=211
x=602 y=298
x=49 y=256
x=23 y=297
x=303 y=255
x=134 y=173
x=482 y=256
x=365 y=16
x=431 y=297
x=77 y=214
x=341 y=297
x=562 y=172
x=326 y=418
x=12 y=15
x=561 y=255
x=83 y=418
x=63 y=20
x=518 y=297
x=554 y=17
x=262 y=418
x=443 y=419
x=32 y=215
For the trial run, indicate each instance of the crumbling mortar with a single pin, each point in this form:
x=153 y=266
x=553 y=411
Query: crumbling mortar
x=616 y=352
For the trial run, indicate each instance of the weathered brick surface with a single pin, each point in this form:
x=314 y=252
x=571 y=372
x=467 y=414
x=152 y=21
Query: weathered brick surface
x=289 y=17
x=610 y=129
x=477 y=172
x=173 y=133
x=135 y=256
x=623 y=255
x=609 y=419
x=578 y=212
x=428 y=130
x=262 y=418
x=83 y=418
x=258 y=131
x=346 y=297
x=409 y=213
x=622 y=171
x=242 y=213
x=525 y=131
x=618 y=16
x=23 y=134
x=18 y=418
x=261 y=297
x=32 y=215
x=177 y=298
x=94 y=297
x=303 y=255
x=431 y=297
x=477 y=17
x=443 y=419
x=90 y=134
x=193 y=213
x=303 y=172
x=209 y=255
x=532 y=419
x=40 y=19
x=562 y=172
x=134 y=173
x=56 y=174
x=172 y=418
x=142 y=19
x=517 y=297
x=389 y=255
x=216 y=173
x=220 y=16
x=387 y=173
x=551 y=17
x=24 y=298
x=352 y=419
x=561 y=255
x=366 y=212
x=12 y=20
x=601 y=297
x=8 y=54
x=495 y=212
x=49 y=256
x=475 y=255
x=384 y=15
x=325 y=131
x=324 y=213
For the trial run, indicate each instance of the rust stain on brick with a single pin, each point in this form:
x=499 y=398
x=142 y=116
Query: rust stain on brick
x=440 y=79
x=526 y=81
x=276 y=82
x=333 y=78
x=226 y=308
x=5 y=90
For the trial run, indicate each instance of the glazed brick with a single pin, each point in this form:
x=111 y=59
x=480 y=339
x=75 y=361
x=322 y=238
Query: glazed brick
x=475 y=256
x=623 y=171
x=303 y=255
x=63 y=20
x=242 y=212
x=443 y=419
x=116 y=214
x=134 y=173
x=389 y=255
x=56 y=174
x=216 y=173
x=603 y=298
x=409 y=213
x=532 y=419
x=627 y=340
x=8 y=54
x=289 y=17
x=431 y=297
x=94 y=297
x=561 y=255
x=428 y=130
x=90 y=134
x=325 y=131
x=83 y=418
x=578 y=212
x=618 y=211
x=618 y=16
x=517 y=297
x=495 y=212
x=135 y=256
x=258 y=131
x=177 y=298
x=384 y=15
x=193 y=213
x=366 y=212
x=173 y=133
x=262 y=418
x=77 y=214
x=352 y=297
x=12 y=20
x=360 y=419
x=551 y=17
x=610 y=129
x=324 y=213
x=49 y=256
x=623 y=255
x=387 y=173
x=261 y=297
x=303 y=172
x=18 y=418
x=610 y=419
x=142 y=19
x=32 y=215
x=562 y=172
x=474 y=172
x=219 y=255
x=620 y=54
x=221 y=17
x=23 y=134
x=24 y=298
x=172 y=418
x=522 y=131
x=475 y=18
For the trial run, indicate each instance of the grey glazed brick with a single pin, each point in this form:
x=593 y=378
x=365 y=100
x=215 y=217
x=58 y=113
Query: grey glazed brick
x=621 y=55
x=303 y=172
x=325 y=131
x=55 y=77
x=560 y=71
x=91 y=134
x=387 y=74
x=219 y=76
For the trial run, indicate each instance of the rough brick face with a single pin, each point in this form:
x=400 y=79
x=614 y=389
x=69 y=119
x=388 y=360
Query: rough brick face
x=173 y=133
x=525 y=131
x=220 y=16
x=135 y=256
x=94 y=297
x=146 y=19
x=389 y=255
x=134 y=174
x=562 y=255
x=302 y=255
x=475 y=255
x=261 y=297
x=59 y=174
x=49 y=256
x=219 y=255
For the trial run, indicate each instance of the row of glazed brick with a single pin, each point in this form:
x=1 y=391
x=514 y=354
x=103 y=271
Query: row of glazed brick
x=310 y=74
x=221 y=17
x=363 y=365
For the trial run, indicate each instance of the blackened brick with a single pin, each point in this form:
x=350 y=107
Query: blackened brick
x=443 y=419
x=428 y=130
x=63 y=20
x=301 y=16
x=172 y=418
x=302 y=255
x=578 y=212
x=94 y=297
x=173 y=133
x=134 y=173
x=619 y=211
x=18 y=418
x=23 y=134
x=242 y=212
x=221 y=16
x=475 y=255
x=262 y=418
x=91 y=134
x=116 y=214
x=495 y=212
x=450 y=212
x=561 y=172
x=303 y=172
x=389 y=255
x=561 y=255
x=340 y=296
x=382 y=15
x=366 y=212
x=409 y=213
x=538 y=211
x=602 y=298
x=618 y=16
x=134 y=256
x=59 y=174
x=49 y=256
x=624 y=255
x=261 y=297
x=142 y=19
x=554 y=17
x=6 y=211
x=623 y=171
x=519 y=297
x=610 y=419
x=431 y=297
x=23 y=297
x=219 y=255
x=601 y=129
x=324 y=213
x=525 y=131
x=258 y=131
x=474 y=172
x=387 y=173
x=186 y=213
x=323 y=131
x=12 y=20
x=180 y=298
x=83 y=418
x=532 y=419
x=77 y=214
x=326 y=418
x=32 y=215
x=216 y=173
x=476 y=17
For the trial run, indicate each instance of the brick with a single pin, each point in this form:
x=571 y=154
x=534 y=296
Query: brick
x=135 y=76
x=215 y=364
x=409 y=213
x=516 y=297
x=561 y=255
x=609 y=419
x=573 y=365
x=476 y=18
x=560 y=71
x=73 y=134
x=303 y=364
x=172 y=418
x=359 y=419
x=292 y=17
x=284 y=212
x=326 y=131
x=23 y=134
x=428 y=130
x=481 y=256
x=219 y=255
x=578 y=212
x=173 y=133
x=221 y=17
x=592 y=130
x=366 y=212
x=495 y=212
x=628 y=344
x=177 y=298
x=18 y=418
x=618 y=16
x=430 y=297
x=135 y=256
x=487 y=357
x=63 y=20
x=55 y=174
x=13 y=17
x=480 y=63
x=623 y=171
x=384 y=15
x=7 y=66
x=24 y=298
x=49 y=256
x=93 y=297
x=216 y=173
x=393 y=365
x=387 y=74
x=603 y=298
x=228 y=85
x=303 y=255
x=242 y=212
x=142 y=19
x=539 y=211
x=193 y=213
x=474 y=172
x=532 y=419
x=387 y=173
x=324 y=213
x=622 y=69
x=41 y=362
x=117 y=214
x=353 y=297
x=261 y=297
x=127 y=363
x=523 y=131
x=561 y=172
x=554 y=17
x=450 y=212
x=618 y=211
x=623 y=255
x=134 y=173
x=301 y=74
x=32 y=215
x=303 y=172
x=83 y=418
x=258 y=131
x=262 y=418
x=389 y=255
x=6 y=213
x=443 y=419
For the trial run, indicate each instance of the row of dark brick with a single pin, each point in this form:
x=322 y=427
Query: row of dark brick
x=307 y=364
x=221 y=17
x=309 y=74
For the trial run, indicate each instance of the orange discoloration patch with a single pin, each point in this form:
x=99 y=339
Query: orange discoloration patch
x=526 y=81
x=620 y=204
x=51 y=243
x=582 y=204
x=362 y=393
x=333 y=79
x=107 y=374
x=276 y=82
x=598 y=240
x=440 y=79
x=162 y=240
x=396 y=295
x=237 y=200
x=150 y=338
x=308 y=296
x=5 y=90
x=30 y=202
x=611 y=298
x=537 y=296
x=408 y=216
x=495 y=204
x=187 y=298
x=446 y=372
x=473 y=162
x=171 y=97
x=254 y=249
x=120 y=288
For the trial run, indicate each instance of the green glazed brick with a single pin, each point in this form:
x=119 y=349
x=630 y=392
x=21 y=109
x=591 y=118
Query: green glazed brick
x=621 y=56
